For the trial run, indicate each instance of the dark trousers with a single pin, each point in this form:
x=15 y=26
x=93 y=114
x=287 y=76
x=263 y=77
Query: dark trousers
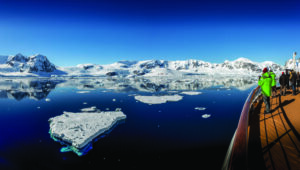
x=267 y=103
x=294 y=88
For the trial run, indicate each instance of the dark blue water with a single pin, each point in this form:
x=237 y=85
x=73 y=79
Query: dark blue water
x=169 y=135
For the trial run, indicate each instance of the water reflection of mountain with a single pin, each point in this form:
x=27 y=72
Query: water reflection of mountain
x=39 y=88
x=158 y=84
x=22 y=88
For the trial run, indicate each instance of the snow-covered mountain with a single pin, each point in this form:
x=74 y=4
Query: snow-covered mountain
x=241 y=66
x=39 y=65
x=20 y=65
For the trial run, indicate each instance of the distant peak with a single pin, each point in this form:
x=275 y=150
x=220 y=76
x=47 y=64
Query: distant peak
x=20 y=55
x=243 y=59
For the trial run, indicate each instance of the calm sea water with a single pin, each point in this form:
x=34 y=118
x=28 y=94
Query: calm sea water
x=169 y=135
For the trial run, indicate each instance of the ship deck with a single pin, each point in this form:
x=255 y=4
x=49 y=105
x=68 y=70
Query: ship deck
x=274 y=138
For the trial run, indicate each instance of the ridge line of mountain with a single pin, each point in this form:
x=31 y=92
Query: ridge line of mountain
x=39 y=65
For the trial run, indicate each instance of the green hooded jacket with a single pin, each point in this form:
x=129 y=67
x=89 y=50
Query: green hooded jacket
x=265 y=83
x=273 y=75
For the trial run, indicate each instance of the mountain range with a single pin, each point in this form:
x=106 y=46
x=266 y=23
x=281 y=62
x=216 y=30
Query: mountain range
x=39 y=65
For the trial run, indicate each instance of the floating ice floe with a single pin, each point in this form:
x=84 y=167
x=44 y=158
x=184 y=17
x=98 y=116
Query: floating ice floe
x=132 y=94
x=200 y=108
x=158 y=99
x=172 y=91
x=84 y=102
x=113 y=100
x=191 y=92
x=90 y=109
x=47 y=100
x=38 y=107
x=206 y=116
x=79 y=130
x=82 y=92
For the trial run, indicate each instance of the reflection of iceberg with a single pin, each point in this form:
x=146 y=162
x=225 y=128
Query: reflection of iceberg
x=78 y=130
x=158 y=99
x=27 y=87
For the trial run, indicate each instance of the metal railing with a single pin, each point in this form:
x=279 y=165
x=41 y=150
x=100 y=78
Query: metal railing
x=236 y=157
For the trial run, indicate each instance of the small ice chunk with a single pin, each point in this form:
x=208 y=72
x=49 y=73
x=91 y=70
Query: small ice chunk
x=84 y=102
x=191 y=92
x=113 y=100
x=206 y=116
x=118 y=109
x=107 y=108
x=81 y=92
x=200 y=108
x=47 y=100
x=158 y=99
x=90 y=109
x=38 y=107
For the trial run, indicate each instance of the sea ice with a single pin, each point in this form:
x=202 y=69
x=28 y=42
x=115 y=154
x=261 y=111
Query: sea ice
x=79 y=129
x=81 y=92
x=113 y=100
x=118 y=109
x=172 y=91
x=206 y=116
x=191 y=92
x=84 y=102
x=158 y=99
x=47 y=100
x=90 y=109
x=200 y=108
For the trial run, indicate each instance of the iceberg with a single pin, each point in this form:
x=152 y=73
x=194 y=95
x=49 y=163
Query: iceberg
x=82 y=92
x=200 y=108
x=90 y=109
x=191 y=92
x=78 y=130
x=206 y=116
x=158 y=99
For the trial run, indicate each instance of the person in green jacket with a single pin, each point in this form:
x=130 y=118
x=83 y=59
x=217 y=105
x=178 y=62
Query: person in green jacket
x=273 y=75
x=265 y=82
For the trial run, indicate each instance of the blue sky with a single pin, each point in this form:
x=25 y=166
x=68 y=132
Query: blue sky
x=70 y=32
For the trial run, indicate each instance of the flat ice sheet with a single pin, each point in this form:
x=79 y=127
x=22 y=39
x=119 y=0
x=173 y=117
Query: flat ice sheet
x=191 y=92
x=158 y=99
x=82 y=92
x=200 y=108
x=79 y=129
